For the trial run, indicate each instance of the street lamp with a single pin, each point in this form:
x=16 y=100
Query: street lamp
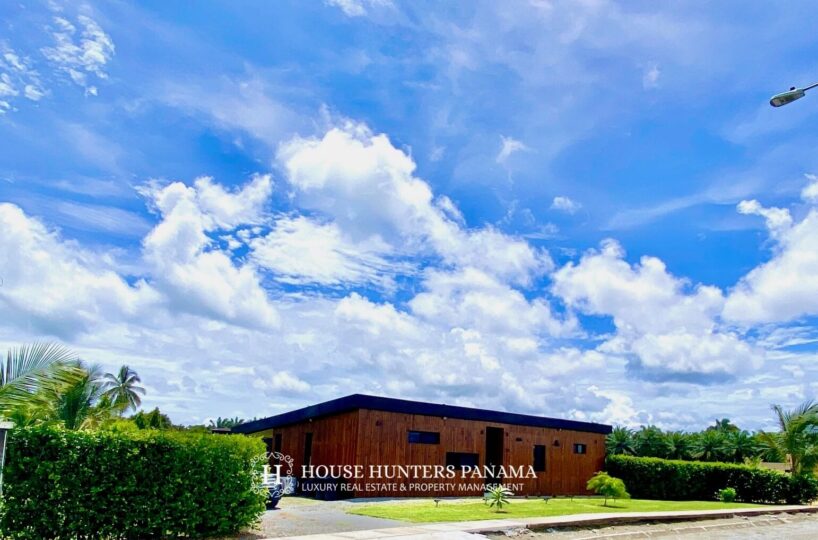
x=4 y=429
x=790 y=95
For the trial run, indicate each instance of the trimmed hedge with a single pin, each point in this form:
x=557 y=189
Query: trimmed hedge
x=148 y=484
x=655 y=478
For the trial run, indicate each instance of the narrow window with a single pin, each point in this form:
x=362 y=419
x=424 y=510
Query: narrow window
x=277 y=443
x=539 y=458
x=424 y=437
x=580 y=448
x=458 y=460
x=308 y=449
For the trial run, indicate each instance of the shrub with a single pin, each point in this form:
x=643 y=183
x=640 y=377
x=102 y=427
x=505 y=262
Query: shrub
x=147 y=484
x=803 y=489
x=653 y=478
x=609 y=487
x=726 y=495
x=497 y=497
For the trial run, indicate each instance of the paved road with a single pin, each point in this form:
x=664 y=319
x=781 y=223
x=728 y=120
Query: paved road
x=789 y=527
x=297 y=516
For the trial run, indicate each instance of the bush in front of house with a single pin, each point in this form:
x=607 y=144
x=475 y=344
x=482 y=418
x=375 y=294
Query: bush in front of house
x=654 y=478
x=73 y=484
x=727 y=495
x=608 y=486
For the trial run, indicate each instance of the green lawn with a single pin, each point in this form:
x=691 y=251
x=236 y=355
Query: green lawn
x=475 y=509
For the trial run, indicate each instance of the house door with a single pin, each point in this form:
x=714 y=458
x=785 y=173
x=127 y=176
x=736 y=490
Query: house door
x=494 y=453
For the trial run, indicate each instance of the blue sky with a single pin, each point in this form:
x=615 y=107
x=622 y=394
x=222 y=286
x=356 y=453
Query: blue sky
x=581 y=209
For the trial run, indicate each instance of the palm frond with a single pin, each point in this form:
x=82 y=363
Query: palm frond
x=29 y=368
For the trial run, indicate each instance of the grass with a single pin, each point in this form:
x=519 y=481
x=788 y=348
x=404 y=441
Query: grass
x=424 y=511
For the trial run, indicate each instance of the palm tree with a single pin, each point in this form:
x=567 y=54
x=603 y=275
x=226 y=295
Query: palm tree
x=679 y=445
x=724 y=425
x=30 y=368
x=122 y=388
x=797 y=438
x=620 y=441
x=650 y=442
x=740 y=445
x=82 y=405
x=225 y=422
x=709 y=445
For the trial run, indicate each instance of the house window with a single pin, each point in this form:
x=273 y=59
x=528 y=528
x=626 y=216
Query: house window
x=424 y=437
x=539 y=458
x=277 y=443
x=580 y=448
x=458 y=460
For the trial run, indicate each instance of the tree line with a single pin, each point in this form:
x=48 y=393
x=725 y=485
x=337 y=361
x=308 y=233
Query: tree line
x=795 y=442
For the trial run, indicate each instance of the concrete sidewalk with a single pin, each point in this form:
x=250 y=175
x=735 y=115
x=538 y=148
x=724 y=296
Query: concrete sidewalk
x=471 y=529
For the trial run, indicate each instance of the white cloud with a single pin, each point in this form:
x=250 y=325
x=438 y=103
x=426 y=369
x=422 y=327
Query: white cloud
x=341 y=174
x=810 y=191
x=358 y=8
x=301 y=250
x=18 y=77
x=56 y=287
x=565 y=204
x=197 y=276
x=786 y=287
x=509 y=146
x=80 y=55
x=670 y=327
x=778 y=219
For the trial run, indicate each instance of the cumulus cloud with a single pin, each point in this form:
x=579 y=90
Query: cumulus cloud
x=81 y=54
x=785 y=287
x=197 y=276
x=668 y=326
x=565 y=204
x=343 y=172
x=301 y=250
x=55 y=286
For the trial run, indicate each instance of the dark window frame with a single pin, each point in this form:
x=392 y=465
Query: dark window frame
x=540 y=458
x=458 y=460
x=580 y=448
x=422 y=437
x=277 y=442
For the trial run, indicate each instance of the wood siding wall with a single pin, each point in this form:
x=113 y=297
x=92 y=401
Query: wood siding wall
x=382 y=439
x=369 y=437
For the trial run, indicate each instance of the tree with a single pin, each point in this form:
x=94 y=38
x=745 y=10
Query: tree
x=30 y=368
x=152 y=420
x=82 y=404
x=797 y=438
x=709 y=445
x=739 y=446
x=497 y=497
x=122 y=388
x=650 y=442
x=620 y=441
x=225 y=422
x=724 y=425
x=678 y=445
x=609 y=487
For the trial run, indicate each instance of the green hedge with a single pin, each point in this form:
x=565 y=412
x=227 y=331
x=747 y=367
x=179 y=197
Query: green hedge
x=654 y=478
x=68 y=484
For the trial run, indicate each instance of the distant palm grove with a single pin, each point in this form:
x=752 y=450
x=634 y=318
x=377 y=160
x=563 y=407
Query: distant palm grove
x=795 y=443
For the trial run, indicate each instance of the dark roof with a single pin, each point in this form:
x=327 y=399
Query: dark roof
x=361 y=401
